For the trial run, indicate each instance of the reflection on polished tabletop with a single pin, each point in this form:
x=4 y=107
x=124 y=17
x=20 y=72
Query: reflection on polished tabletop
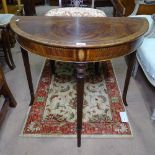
x=87 y=33
x=79 y=40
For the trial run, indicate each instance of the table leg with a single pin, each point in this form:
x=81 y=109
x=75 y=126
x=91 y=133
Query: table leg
x=97 y=67
x=80 y=73
x=128 y=75
x=28 y=73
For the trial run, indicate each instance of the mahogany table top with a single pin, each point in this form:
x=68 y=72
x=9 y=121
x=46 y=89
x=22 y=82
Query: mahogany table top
x=67 y=31
x=76 y=33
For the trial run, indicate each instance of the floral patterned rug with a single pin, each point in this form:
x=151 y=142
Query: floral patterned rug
x=53 y=113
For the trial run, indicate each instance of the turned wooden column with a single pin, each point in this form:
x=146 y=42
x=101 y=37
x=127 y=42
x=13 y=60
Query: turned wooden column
x=80 y=74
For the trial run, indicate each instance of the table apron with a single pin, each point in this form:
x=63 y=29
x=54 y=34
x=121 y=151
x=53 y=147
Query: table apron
x=79 y=54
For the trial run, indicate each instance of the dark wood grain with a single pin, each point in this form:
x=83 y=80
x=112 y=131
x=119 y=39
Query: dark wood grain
x=57 y=37
x=67 y=31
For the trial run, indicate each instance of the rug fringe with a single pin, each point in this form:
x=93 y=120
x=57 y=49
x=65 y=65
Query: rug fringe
x=74 y=136
x=27 y=114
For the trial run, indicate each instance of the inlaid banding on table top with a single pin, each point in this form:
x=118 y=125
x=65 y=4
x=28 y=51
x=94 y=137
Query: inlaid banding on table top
x=79 y=55
x=68 y=31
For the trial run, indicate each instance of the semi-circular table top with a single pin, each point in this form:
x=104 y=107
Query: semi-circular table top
x=79 y=38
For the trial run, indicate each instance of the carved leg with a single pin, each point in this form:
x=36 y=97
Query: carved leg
x=128 y=76
x=80 y=73
x=28 y=73
x=52 y=63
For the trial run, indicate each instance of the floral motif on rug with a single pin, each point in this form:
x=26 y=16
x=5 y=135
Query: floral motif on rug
x=54 y=111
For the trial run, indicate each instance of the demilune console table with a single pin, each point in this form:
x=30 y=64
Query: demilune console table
x=80 y=40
